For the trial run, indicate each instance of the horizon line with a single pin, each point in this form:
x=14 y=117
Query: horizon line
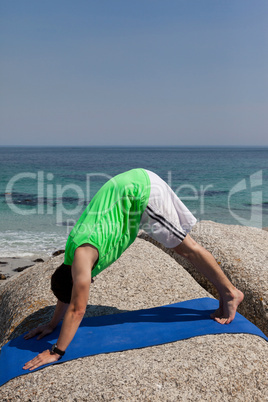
x=132 y=146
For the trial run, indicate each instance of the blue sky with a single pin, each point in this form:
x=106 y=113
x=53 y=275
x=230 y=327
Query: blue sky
x=143 y=72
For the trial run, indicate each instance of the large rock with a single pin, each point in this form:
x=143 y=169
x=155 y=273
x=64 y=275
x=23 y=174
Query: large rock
x=209 y=368
x=242 y=253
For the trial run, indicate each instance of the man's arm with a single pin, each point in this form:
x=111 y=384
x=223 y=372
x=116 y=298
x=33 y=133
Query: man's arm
x=84 y=260
x=77 y=308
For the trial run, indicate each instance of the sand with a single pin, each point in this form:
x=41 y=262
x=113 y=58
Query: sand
x=11 y=266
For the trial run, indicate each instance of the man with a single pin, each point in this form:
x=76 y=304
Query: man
x=130 y=201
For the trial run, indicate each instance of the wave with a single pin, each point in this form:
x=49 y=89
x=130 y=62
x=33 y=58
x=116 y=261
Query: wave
x=263 y=205
x=28 y=244
x=206 y=193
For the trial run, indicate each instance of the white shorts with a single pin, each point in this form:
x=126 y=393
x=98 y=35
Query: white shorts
x=166 y=219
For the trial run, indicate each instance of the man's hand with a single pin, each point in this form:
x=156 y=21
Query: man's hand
x=43 y=330
x=41 y=359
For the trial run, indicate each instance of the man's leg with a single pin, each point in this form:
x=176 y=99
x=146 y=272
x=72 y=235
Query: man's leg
x=205 y=263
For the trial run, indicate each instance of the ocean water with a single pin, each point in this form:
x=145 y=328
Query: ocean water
x=43 y=190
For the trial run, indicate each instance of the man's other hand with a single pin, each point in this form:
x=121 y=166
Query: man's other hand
x=43 y=330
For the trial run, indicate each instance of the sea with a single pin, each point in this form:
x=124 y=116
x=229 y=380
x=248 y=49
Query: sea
x=44 y=190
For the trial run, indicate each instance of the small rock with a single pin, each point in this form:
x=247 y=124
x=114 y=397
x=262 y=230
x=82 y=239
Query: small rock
x=3 y=263
x=39 y=260
x=2 y=277
x=58 y=252
x=20 y=269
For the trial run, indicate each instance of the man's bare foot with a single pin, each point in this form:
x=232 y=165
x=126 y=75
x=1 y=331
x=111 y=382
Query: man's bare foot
x=228 y=306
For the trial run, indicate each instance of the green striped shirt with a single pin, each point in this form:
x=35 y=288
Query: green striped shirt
x=111 y=220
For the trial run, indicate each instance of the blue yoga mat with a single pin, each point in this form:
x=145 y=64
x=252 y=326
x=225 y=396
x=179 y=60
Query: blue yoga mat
x=131 y=330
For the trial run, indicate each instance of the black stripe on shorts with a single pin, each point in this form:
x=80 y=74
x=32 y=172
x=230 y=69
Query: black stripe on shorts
x=159 y=218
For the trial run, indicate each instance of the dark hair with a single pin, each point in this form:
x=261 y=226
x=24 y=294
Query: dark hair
x=62 y=283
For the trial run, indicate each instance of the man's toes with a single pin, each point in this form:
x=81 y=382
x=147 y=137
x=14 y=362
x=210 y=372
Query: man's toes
x=221 y=320
x=230 y=319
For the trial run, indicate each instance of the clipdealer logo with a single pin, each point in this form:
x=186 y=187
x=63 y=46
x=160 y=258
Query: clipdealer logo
x=48 y=191
x=253 y=186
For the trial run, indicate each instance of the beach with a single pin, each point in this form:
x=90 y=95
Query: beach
x=10 y=266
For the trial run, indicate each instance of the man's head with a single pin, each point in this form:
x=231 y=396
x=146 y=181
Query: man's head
x=62 y=283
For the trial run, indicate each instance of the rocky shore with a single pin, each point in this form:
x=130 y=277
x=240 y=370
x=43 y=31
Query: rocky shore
x=10 y=266
x=226 y=367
